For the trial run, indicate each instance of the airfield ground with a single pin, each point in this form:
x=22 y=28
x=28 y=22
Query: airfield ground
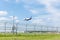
x=30 y=36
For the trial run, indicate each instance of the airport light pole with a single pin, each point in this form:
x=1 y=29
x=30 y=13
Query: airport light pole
x=17 y=27
x=5 y=26
x=13 y=28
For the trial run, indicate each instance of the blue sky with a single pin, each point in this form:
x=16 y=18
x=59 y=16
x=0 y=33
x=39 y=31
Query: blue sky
x=44 y=12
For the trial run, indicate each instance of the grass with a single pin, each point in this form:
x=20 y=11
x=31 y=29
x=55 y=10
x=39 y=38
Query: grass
x=30 y=36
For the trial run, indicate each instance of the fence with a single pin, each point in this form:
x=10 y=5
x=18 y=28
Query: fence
x=23 y=27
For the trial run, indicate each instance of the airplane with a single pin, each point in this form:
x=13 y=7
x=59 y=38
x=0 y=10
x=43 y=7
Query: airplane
x=27 y=19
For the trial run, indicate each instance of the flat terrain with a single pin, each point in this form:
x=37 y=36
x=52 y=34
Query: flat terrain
x=28 y=36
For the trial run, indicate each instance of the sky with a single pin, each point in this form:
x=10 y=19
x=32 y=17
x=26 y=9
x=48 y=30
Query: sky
x=43 y=12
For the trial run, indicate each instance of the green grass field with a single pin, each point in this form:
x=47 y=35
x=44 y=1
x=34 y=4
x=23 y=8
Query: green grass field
x=31 y=36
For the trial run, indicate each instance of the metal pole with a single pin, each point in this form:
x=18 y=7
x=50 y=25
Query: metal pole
x=5 y=26
x=13 y=25
x=26 y=27
x=16 y=28
x=34 y=28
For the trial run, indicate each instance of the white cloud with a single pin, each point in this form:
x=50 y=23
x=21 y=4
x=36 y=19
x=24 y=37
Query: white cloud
x=51 y=8
x=17 y=1
x=15 y=17
x=13 y=1
x=34 y=11
x=28 y=1
x=3 y=13
x=10 y=18
x=42 y=20
x=39 y=21
x=3 y=19
x=17 y=21
x=26 y=6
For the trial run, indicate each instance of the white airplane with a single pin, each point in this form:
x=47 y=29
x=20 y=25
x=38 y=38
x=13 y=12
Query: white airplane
x=27 y=19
